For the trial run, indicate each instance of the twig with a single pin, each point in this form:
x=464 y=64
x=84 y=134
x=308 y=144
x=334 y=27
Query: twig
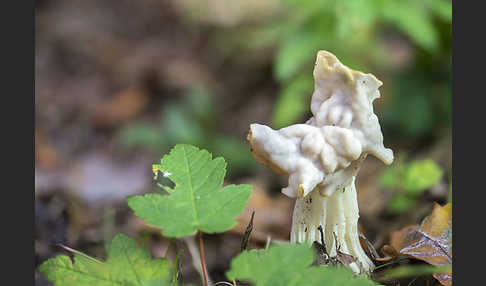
x=246 y=236
x=177 y=272
x=223 y=282
x=196 y=257
x=267 y=244
x=78 y=253
x=203 y=260
x=411 y=282
x=389 y=263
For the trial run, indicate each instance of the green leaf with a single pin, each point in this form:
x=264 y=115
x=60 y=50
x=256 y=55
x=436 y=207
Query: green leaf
x=354 y=16
x=133 y=262
x=400 y=203
x=197 y=202
x=272 y=266
x=199 y=102
x=142 y=134
x=412 y=177
x=390 y=178
x=288 y=265
x=421 y=175
x=416 y=270
x=180 y=125
x=161 y=283
x=443 y=8
x=410 y=180
x=412 y=110
x=297 y=50
x=127 y=264
x=293 y=101
x=412 y=18
x=235 y=151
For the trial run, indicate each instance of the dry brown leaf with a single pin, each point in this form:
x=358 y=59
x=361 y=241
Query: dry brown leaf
x=397 y=238
x=367 y=246
x=388 y=252
x=444 y=278
x=430 y=242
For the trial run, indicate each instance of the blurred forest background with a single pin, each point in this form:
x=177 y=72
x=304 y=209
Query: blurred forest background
x=118 y=83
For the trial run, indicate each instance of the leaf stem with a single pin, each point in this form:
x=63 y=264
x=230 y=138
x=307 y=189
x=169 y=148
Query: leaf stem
x=203 y=260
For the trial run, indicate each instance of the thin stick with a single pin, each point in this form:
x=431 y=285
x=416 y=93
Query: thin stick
x=193 y=248
x=267 y=244
x=246 y=236
x=78 y=253
x=203 y=261
x=412 y=281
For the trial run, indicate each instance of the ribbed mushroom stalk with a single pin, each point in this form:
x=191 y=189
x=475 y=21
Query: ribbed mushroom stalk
x=338 y=215
x=323 y=156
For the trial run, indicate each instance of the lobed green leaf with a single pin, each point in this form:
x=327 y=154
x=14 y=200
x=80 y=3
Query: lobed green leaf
x=197 y=201
x=289 y=265
x=127 y=264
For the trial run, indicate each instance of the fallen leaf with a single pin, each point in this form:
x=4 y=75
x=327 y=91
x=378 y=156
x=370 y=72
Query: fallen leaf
x=397 y=239
x=342 y=257
x=321 y=254
x=430 y=242
x=320 y=247
x=388 y=252
x=367 y=246
x=444 y=278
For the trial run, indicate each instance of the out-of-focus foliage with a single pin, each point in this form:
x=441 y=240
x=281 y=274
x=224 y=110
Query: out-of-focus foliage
x=161 y=283
x=407 y=44
x=414 y=177
x=409 y=180
x=419 y=270
x=197 y=200
x=192 y=121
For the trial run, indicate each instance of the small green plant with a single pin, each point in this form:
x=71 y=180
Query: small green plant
x=409 y=180
x=127 y=264
x=197 y=201
x=289 y=265
x=408 y=41
x=354 y=29
x=191 y=120
x=196 y=204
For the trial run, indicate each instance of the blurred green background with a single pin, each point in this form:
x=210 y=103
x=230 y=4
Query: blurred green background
x=118 y=83
x=407 y=44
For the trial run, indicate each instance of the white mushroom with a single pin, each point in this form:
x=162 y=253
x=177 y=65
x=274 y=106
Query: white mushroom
x=322 y=157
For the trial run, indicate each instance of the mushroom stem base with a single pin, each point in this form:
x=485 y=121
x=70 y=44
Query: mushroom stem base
x=338 y=215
